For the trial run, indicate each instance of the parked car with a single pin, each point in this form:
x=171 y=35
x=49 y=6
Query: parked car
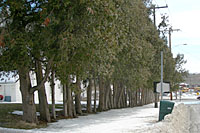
x=198 y=97
x=1 y=97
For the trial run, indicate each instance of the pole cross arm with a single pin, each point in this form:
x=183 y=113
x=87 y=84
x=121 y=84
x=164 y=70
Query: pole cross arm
x=161 y=7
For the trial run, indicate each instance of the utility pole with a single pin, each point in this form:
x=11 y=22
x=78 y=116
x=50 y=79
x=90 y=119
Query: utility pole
x=170 y=48
x=154 y=21
x=154 y=12
x=161 y=80
x=170 y=42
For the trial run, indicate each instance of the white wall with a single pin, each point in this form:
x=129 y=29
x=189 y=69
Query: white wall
x=18 y=93
x=1 y=89
x=13 y=90
x=10 y=89
x=58 y=92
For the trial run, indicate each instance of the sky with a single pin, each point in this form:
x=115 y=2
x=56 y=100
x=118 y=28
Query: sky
x=183 y=15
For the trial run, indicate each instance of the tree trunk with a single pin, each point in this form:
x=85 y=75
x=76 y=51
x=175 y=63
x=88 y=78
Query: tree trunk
x=123 y=101
x=145 y=96
x=43 y=104
x=28 y=104
x=120 y=96
x=149 y=100
x=106 y=95
x=114 y=96
x=139 y=103
x=136 y=98
x=101 y=95
x=129 y=98
x=65 y=110
x=78 y=98
x=123 y=97
x=176 y=95
x=95 y=94
x=142 y=96
x=89 y=97
x=156 y=100
x=126 y=98
x=53 y=95
x=69 y=102
x=73 y=107
x=111 y=98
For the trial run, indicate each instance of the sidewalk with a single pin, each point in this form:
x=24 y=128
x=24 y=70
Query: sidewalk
x=127 y=120
x=112 y=121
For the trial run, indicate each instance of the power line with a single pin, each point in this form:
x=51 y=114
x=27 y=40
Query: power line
x=154 y=12
x=170 y=14
x=165 y=2
x=157 y=5
x=170 y=31
x=155 y=2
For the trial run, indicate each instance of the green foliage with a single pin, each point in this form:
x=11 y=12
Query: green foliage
x=179 y=72
x=112 y=39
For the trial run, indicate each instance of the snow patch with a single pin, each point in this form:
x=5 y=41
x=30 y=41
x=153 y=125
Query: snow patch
x=194 y=117
x=17 y=112
x=184 y=119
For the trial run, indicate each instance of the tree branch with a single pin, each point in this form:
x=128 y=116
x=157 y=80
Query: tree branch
x=47 y=71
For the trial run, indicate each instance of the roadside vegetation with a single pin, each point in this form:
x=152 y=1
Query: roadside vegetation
x=103 y=43
x=9 y=120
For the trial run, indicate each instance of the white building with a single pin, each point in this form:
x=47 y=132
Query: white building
x=10 y=89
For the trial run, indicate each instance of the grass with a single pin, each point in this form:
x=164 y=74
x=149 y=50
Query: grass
x=9 y=120
x=6 y=118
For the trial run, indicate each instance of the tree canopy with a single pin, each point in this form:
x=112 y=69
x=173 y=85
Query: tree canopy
x=115 y=40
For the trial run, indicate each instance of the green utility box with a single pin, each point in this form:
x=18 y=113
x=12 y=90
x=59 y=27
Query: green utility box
x=166 y=107
x=7 y=98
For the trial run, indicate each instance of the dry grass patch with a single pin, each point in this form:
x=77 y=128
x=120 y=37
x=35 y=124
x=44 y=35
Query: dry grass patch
x=9 y=120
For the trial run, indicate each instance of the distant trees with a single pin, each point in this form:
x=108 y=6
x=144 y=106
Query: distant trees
x=179 y=72
x=112 y=45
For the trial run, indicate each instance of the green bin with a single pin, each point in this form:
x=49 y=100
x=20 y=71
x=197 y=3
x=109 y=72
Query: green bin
x=7 y=98
x=166 y=107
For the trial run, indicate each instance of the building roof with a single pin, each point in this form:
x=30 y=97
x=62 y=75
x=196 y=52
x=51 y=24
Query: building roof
x=8 y=77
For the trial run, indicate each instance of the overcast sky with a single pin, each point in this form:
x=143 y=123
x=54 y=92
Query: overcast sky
x=184 y=15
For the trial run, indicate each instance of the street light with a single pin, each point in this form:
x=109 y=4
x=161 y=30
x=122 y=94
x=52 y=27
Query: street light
x=174 y=47
x=179 y=89
x=179 y=45
x=162 y=69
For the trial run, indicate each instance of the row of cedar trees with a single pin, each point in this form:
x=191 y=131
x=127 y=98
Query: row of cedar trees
x=108 y=42
x=109 y=97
